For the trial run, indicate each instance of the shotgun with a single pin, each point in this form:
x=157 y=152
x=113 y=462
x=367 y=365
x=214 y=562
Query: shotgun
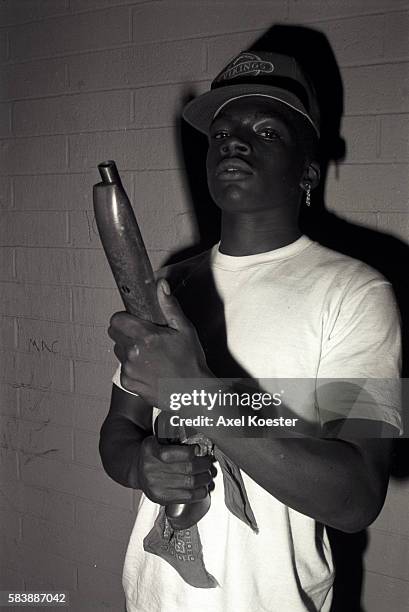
x=127 y=256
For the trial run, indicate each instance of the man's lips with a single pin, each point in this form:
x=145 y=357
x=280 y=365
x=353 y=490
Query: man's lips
x=233 y=168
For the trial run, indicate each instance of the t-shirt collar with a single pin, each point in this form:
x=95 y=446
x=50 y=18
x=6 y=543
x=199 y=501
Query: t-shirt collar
x=231 y=262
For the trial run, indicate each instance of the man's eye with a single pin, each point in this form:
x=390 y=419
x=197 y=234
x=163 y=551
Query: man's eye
x=269 y=134
x=220 y=134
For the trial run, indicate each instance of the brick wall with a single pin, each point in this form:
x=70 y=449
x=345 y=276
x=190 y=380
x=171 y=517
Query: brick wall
x=86 y=80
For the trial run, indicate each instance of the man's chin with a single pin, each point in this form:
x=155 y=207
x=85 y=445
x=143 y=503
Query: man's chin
x=232 y=196
x=243 y=204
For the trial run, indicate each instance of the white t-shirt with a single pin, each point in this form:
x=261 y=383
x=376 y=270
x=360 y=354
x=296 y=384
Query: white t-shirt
x=300 y=311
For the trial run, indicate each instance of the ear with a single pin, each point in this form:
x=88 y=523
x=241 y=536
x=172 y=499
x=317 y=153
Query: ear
x=311 y=175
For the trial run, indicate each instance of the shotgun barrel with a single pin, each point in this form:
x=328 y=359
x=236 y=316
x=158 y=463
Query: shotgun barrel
x=124 y=246
x=127 y=256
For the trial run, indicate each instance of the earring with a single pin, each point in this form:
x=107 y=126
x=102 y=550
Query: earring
x=308 y=194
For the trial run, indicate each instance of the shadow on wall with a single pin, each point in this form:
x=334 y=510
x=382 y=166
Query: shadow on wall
x=381 y=251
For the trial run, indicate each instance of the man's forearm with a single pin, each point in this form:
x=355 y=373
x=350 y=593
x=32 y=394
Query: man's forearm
x=119 y=447
x=324 y=479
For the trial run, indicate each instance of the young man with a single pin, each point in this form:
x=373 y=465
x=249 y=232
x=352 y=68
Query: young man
x=265 y=303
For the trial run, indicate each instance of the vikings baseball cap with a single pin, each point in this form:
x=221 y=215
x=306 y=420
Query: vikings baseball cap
x=260 y=73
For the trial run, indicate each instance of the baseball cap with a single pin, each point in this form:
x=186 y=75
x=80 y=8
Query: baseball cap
x=261 y=73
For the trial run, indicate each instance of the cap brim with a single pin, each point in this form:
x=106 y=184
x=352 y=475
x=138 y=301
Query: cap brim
x=200 y=111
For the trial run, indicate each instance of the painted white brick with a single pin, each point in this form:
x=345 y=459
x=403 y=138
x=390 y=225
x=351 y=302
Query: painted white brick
x=8 y=400
x=81 y=266
x=33 y=229
x=69 y=34
x=6 y=264
x=25 y=155
x=91 y=268
x=159 y=257
x=365 y=219
x=84 y=112
x=47 y=406
x=12 y=12
x=43 y=503
x=388 y=554
x=81 y=5
x=93 y=379
x=100 y=520
x=59 y=192
x=76 y=480
x=54 y=192
x=132 y=150
x=10 y=523
x=398 y=487
x=90 y=412
x=8 y=466
x=12 y=497
x=164 y=210
x=138 y=65
x=5 y=119
x=42 y=371
x=8 y=366
x=52 y=506
x=170 y=21
x=167 y=190
x=46 y=440
x=95 y=306
x=83 y=230
x=7 y=332
x=9 y=433
x=37 y=78
x=73 y=545
x=5 y=193
x=376 y=89
x=36 y=438
x=11 y=580
x=396 y=35
x=102 y=588
x=86 y=601
x=394 y=518
x=382 y=593
x=86 y=448
x=161 y=230
x=396 y=224
x=162 y=105
x=309 y=10
x=65 y=340
x=3 y=45
x=356 y=40
x=395 y=137
x=360 y=134
x=371 y=187
x=41 y=570
x=27 y=300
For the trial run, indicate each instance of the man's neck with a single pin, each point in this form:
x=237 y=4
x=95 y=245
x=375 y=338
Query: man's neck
x=244 y=235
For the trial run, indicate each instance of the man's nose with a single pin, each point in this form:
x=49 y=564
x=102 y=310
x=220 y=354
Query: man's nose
x=234 y=144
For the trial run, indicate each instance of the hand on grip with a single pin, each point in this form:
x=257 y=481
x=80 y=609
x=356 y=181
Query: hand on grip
x=172 y=473
x=150 y=352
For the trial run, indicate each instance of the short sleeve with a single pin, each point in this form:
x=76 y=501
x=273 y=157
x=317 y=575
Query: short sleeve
x=116 y=379
x=360 y=365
